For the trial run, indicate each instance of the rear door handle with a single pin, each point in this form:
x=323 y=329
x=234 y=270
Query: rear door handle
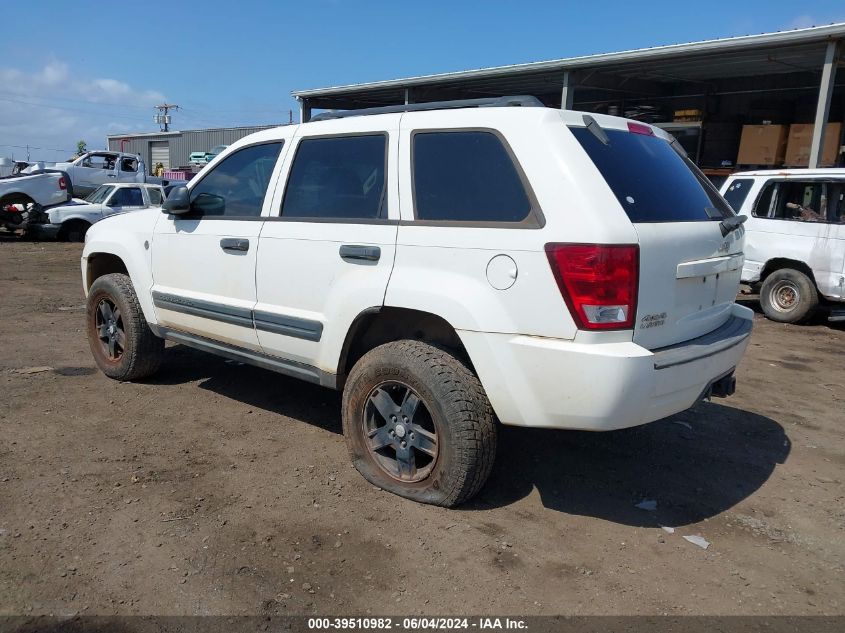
x=364 y=253
x=234 y=244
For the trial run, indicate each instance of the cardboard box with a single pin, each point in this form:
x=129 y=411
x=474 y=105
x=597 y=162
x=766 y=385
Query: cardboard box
x=762 y=145
x=800 y=139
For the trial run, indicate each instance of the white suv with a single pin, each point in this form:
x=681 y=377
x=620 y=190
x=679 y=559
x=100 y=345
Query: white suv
x=447 y=266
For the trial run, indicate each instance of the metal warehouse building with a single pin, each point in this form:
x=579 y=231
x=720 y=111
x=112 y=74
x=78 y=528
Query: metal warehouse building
x=730 y=102
x=172 y=149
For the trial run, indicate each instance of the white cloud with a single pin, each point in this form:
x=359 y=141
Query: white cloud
x=52 y=108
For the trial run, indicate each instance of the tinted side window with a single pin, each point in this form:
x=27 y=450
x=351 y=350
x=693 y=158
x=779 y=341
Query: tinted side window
x=466 y=176
x=155 y=196
x=127 y=197
x=737 y=192
x=340 y=177
x=237 y=184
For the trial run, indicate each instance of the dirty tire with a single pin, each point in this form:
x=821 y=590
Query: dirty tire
x=142 y=352
x=74 y=231
x=454 y=403
x=788 y=296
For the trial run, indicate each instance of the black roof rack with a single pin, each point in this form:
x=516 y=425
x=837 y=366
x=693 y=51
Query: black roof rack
x=525 y=101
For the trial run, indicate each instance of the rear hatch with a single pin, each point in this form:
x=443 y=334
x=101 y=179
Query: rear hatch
x=689 y=272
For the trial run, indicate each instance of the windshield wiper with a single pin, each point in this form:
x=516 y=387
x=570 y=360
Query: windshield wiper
x=596 y=130
x=731 y=224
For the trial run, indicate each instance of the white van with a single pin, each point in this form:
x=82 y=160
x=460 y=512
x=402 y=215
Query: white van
x=795 y=239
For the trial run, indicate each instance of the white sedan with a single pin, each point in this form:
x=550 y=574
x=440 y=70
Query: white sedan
x=72 y=220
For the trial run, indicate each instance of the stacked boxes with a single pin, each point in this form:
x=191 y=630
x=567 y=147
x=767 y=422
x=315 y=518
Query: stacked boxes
x=762 y=145
x=800 y=139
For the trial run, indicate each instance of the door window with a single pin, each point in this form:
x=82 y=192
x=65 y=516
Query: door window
x=236 y=186
x=802 y=201
x=466 y=176
x=340 y=177
x=99 y=161
x=127 y=197
x=155 y=196
x=129 y=165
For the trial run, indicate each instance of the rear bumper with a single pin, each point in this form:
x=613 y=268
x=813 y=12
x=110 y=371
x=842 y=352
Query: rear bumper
x=552 y=383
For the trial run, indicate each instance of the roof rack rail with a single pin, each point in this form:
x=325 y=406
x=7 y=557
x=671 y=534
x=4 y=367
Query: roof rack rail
x=525 y=101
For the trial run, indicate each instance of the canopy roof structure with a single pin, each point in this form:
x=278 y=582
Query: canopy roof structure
x=796 y=67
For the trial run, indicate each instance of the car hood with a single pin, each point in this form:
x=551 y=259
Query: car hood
x=76 y=208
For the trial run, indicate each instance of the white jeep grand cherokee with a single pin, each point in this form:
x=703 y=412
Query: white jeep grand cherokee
x=447 y=266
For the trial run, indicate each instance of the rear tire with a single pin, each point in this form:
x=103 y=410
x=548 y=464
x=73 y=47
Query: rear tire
x=418 y=423
x=788 y=296
x=122 y=343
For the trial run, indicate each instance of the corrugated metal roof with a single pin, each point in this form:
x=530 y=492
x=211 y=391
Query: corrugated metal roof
x=788 y=51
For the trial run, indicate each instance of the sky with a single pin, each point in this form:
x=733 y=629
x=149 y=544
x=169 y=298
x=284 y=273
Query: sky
x=80 y=70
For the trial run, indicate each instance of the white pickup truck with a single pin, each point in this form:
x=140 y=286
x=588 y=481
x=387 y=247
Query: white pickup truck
x=71 y=221
x=20 y=194
x=93 y=169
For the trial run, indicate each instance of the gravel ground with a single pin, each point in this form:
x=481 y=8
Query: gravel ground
x=218 y=488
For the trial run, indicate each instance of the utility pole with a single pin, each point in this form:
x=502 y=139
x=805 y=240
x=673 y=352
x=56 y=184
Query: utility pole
x=163 y=118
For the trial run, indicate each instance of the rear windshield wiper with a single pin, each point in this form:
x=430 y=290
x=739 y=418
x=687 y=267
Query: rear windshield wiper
x=731 y=224
x=596 y=130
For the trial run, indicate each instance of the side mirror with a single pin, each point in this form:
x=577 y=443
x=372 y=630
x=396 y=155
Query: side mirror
x=178 y=201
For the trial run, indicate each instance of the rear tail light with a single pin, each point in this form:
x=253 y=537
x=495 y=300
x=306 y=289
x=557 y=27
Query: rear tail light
x=62 y=183
x=640 y=128
x=598 y=282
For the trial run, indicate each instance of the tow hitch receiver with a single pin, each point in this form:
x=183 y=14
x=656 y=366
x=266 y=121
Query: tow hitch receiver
x=724 y=387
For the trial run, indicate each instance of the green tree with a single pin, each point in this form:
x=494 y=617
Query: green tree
x=81 y=148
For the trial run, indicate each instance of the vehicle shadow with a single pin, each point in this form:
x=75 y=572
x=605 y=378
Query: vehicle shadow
x=258 y=388
x=696 y=464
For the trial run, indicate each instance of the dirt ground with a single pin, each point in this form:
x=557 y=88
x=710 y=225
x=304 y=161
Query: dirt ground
x=223 y=489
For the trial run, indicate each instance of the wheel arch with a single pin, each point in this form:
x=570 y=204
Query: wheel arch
x=68 y=224
x=99 y=264
x=16 y=197
x=378 y=325
x=779 y=263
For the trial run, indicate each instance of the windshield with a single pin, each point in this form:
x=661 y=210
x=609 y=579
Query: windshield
x=218 y=149
x=652 y=181
x=99 y=194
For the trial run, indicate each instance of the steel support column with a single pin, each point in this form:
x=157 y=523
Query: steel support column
x=831 y=58
x=304 y=110
x=567 y=93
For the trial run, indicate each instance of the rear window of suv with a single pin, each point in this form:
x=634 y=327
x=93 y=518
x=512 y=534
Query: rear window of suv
x=651 y=180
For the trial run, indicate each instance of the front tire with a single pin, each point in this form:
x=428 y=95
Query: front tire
x=74 y=231
x=418 y=423
x=122 y=343
x=788 y=296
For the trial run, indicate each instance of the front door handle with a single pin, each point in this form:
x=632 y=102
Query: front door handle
x=364 y=253
x=234 y=244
